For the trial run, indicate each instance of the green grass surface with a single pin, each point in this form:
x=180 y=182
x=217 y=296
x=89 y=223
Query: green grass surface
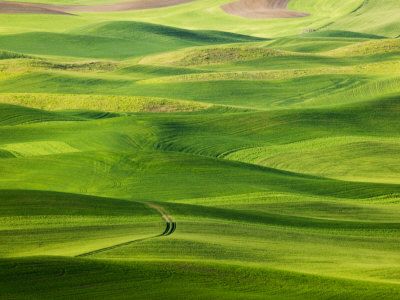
x=276 y=153
x=190 y=280
x=115 y=104
x=115 y=40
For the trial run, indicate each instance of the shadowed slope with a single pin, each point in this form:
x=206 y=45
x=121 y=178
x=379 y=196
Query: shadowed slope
x=80 y=279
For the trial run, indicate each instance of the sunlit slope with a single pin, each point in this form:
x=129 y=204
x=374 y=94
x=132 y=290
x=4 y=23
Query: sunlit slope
x=343 y=15
x=242 y=75
x=147 y=31
x=206 y=134
x=14 y=115
x=114 y=40
x=384 y=13
x=70 y=224
x=275 y=158
x=98 y=106
x=207 y=15
x=245 y=212
x=360 y=73
x=247 y=90
x=256 y=235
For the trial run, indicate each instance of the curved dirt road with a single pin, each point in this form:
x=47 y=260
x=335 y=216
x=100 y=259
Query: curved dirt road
x=169 y=229
x=38 y=8
x=261 y=9
x=170 y=222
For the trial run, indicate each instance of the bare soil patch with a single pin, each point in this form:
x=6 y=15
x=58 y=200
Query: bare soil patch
x=37 y=8
x=27 y=8
x=261 y=9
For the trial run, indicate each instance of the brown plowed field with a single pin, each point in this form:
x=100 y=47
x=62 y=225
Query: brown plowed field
x=261 y=9
x=37 y=8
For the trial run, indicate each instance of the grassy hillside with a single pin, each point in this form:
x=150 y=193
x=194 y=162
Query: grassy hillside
x=185 y=153
x=383 y=13
x=114 y=40
x=199 y=278
x=347 y=15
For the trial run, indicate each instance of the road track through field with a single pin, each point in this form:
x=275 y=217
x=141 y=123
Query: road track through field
x=169 y=229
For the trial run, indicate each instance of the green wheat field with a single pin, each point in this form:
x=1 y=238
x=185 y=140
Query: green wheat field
x=182 y=152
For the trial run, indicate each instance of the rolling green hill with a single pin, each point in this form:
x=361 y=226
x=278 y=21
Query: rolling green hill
x=186 y=153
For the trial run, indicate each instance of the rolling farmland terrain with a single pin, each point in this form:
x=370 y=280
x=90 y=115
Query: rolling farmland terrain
x=200 y=149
